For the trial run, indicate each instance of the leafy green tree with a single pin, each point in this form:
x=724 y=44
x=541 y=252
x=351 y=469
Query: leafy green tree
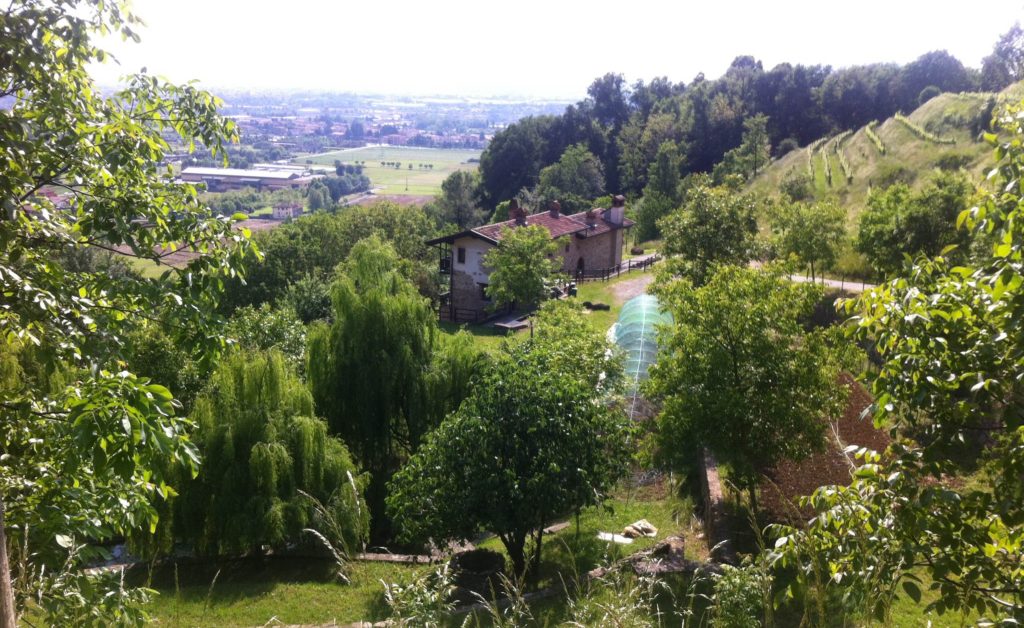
x=458 y=200
x=715 y=226
x=952 y=367
x=309 y=298
x=574 y=180
x=376 y=371
x=662 y=194
x=739 y=375
x=315 y=245
x=85 y=440
x=523 y=267
x=263 y=448
x=642 y=138
x=812 y=234
x=524 y=447
x=265 y=328
x=752 y=155
x=153 y=353
x=900 y=222
x=1006 y=63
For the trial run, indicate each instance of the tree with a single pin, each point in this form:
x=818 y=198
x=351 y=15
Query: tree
x=661 y=195
x=86 y=442
x=810 y=233
x=756 y=147
x=374 y=371
x=949 y=390
x=315 y=245
x=525 y=446
x=714 y=226
x=899 y=222
x=739 y=375
x=1006 y=63
x=266 y=455
x=574 y=180
x=751 y=155
x=266 y=328
x=523 y=268
x=458 y=200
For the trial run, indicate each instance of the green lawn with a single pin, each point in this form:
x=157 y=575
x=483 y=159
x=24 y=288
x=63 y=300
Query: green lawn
x=147 y=268
x=275 y=591
x=401 y=181
x=604 y=292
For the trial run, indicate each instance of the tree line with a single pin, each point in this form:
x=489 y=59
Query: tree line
x=624 y=125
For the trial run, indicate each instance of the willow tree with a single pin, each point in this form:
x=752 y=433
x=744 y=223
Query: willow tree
x=378 y=372
x=265 y=455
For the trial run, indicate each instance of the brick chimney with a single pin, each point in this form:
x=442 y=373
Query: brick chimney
x=617 y=213
x=517 y=213
x=554 y=208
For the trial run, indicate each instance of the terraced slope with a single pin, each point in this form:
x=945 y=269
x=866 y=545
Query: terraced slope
x=908 y=155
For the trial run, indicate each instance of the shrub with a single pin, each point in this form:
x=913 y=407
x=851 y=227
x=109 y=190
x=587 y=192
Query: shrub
x=796 y=186
x=952 y=161
x=787 y=145
x=890 y=173
x=927 y=94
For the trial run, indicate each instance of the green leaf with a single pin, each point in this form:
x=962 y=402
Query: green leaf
x=912 y=591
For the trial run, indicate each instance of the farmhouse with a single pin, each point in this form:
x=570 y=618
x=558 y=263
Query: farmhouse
x=588 y=241
x=223 y=179
x=285 y=211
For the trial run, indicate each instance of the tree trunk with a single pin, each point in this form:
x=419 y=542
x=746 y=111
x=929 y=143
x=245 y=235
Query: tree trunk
x=514 y=545
x=7 y=617
x=535 y=567
x=752 y=496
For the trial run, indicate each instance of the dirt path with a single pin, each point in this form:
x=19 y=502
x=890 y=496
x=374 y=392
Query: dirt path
x=626 y=290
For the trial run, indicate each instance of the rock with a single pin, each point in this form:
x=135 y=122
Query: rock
x=640 y=528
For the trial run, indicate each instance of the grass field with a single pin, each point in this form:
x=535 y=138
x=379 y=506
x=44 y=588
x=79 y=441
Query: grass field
x=288 y=591
x=401 y=181
x=272 y=591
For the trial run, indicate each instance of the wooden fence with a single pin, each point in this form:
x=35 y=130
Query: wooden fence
x=604 y=274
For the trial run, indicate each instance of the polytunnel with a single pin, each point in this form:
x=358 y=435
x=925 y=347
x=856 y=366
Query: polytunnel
x=636 y=333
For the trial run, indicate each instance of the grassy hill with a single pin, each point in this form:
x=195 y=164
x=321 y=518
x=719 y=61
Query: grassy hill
x=908 y=156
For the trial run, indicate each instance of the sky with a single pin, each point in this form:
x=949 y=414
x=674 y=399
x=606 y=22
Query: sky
x=531 y=48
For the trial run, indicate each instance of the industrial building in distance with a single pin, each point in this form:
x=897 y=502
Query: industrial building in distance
x=272 y=177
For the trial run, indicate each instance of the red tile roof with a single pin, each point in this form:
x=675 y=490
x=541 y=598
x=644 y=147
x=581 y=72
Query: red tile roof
x=557 y=225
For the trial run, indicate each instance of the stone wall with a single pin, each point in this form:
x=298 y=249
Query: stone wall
x=466 y=293
x=600 y=251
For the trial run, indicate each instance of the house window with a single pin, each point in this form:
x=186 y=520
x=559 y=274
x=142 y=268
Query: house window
x=566 y=247
x=460 y=254
x=483 y=292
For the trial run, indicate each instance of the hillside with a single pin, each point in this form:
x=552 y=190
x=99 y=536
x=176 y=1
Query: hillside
x=948 y=118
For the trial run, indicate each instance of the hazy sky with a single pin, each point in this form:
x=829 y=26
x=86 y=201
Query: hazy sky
x=542 y=48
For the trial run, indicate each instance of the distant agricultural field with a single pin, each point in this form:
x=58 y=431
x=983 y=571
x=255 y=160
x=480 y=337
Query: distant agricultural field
x=430 y=166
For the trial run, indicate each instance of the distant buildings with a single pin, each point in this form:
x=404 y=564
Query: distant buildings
x=287 y=210
x=224 y=179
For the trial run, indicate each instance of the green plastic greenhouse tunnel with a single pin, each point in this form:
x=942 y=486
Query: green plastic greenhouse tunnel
x=636 y=332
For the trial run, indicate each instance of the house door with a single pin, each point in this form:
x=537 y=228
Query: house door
x=579 y=267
